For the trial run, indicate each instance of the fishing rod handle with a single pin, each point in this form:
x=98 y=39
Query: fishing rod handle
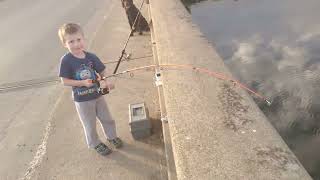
x=102 y=91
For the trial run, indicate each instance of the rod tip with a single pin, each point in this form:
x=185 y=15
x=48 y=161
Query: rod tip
x=268 y=102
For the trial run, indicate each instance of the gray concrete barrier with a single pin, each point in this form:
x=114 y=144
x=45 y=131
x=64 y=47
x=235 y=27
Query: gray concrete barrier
x=216 y=130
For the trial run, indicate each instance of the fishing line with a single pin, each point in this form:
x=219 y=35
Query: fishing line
x=128 y=58
x=198 y=69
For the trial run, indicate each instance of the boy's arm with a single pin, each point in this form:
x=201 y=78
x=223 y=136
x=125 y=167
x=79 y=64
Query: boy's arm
x=76 y=83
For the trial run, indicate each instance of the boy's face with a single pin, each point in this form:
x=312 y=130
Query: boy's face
x=74 y=43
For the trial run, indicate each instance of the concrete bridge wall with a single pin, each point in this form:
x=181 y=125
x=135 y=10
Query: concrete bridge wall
x=216 y=130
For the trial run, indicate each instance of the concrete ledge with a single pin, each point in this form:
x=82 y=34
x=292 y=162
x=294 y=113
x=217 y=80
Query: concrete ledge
x=216 y=129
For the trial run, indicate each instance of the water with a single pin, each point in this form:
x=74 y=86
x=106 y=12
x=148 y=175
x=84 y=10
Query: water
x=274 y=47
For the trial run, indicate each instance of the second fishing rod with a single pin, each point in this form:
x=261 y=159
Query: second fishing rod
x=104 y=91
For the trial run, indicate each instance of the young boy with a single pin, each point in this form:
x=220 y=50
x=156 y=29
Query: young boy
x=78 y=69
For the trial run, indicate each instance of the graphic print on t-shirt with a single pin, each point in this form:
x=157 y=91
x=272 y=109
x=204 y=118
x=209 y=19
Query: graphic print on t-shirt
x=85 y=72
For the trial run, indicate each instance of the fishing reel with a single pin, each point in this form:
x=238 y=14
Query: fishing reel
x=102 y=91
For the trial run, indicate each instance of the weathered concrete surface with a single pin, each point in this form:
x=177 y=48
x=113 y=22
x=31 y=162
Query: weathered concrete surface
x=217 y=131
x=67 y=156
x=30 y=50
x=171 y=168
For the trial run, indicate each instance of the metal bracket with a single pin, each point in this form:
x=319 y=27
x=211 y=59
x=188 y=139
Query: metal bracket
x=126 y=57
x=164 y=119
x=158 y=79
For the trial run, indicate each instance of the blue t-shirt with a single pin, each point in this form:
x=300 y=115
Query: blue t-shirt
x=75 y=68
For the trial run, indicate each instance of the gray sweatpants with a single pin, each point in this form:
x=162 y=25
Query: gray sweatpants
x=88 y=111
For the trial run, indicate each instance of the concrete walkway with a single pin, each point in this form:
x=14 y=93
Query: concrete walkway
x=67 y=155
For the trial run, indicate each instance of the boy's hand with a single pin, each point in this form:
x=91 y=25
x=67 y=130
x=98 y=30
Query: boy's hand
x=87 y=82
x=110 y=86
x=98 y=76
x=105 y=84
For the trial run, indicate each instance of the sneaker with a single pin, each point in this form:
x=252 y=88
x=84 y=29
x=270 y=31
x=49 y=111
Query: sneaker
x=116 y=142
x=102 y=149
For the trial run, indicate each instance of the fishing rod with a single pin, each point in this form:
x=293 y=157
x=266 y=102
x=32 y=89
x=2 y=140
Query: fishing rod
x=123 y=52
x=198 y=69
x=104 y=91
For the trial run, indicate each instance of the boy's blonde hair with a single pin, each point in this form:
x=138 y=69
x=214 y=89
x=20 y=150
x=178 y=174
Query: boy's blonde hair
x=67 y=29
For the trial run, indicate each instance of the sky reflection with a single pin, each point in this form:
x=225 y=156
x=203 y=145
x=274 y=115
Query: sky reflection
x=274 y=47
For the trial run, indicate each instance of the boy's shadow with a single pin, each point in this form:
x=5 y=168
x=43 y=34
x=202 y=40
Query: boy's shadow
x=143 y=155
x=139 y=160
